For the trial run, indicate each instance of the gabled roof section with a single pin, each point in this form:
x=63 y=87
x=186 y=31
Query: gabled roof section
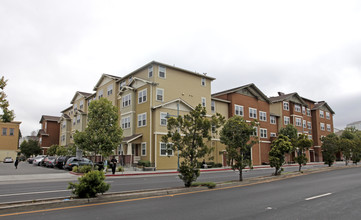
x=251 y=89
x=49 y=118
x=83 y=94
x=131 y=138
x=41 y=132
x=70 y=107
x=116 y=78
x=169 y=66
x=293 y=97
x=220 y=100
x=323 y=104
x=64 y=117
x=181 y=101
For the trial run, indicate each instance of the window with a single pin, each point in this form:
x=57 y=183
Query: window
x=298 y=122
x=238 y=109
x=255 y=132
x=78 y=119
x=310 y=137
x=142 y=120
x=303 y=110
x=253 y=113
x=126 y=122
x=322 y=126
x=297 y=108
x=11 y=131
x=322 y=114
x=263 y=132
x=286 y=120
x=328 y=126
x=308 y=112
x=74 y=121
x=110 y=90
x=327 y=115
x=164 y=151
x=144 y=149
x=160 y=95
x=100 y=94
x=75 y=107
x=262 y=116
x=142 y=96
x=203 y=81
x=203 y=102
x=286 y=106
x=126 y=100
x=213 y=129
x=163 y=118
x=309 y=125
x=64 y=124
x=63 y=138
x=213 y=106
x=122 y=84
x=150 y=71
x=273 y=134
x=81 y=105
x=304 y=124
x=273 y=120
x=161 y=72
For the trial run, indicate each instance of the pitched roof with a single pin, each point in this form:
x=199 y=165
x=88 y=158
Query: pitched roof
x=131 y=138
x=84 y=94
x=173 y=101
x=49 y=118
x=251 y=85
x=322 y=103
x=70 y=107
x=287 y=97
x=116 y=78
x=42 y=133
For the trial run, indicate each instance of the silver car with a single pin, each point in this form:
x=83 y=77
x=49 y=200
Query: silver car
x=38 y=160
x=8 y=160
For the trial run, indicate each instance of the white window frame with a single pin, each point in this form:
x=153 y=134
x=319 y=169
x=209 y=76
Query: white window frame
x=11 y=131
x=81 y=104
x=122 y=84
x=126 y=122
x=160 y=68
x=308 y=112
x=75 y=107
x=303 y=110
x=78 y=119
x=322 y=126
x=286 y=106
x=328 y=127
x=310 y=137
x=164 y=145
x=110 y=90
x=163 y=117
x=150 y=71
x=297 y=108
x=160 y=95
x=239 y=109
x=142 y=96
x=263 y=132
x=328 y=115
x=309 y=125
x=255 y=133
x=252 y=113
x=74 y=120
x=142 y=120
x=272 y=134
x=63 y=124
x=273 y=120
x=322 y=114
x=304 y=123
x=203 y=81
x=298 y=122
x=143 y=149
x=100 y=94
x=286 y=119
x=204 y=104
x=262 y=116
x=126 y=100
x=213 y=106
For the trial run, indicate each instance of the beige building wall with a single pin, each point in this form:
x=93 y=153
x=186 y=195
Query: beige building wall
x=9 y=140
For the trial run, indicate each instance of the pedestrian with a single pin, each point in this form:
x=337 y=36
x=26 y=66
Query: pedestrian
x=16 y=162
x=113 y=162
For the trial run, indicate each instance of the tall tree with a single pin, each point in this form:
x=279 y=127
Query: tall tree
x=7 y=115
x=53 y=149
x=279 y=148
x=329 y=148
x=30 y=147
x=187 y=135
x=356 y=151
x=346 y=146
x=62 y=151
x=103 y=134
x=236 y=134
x=291 y=132
x=302 y=144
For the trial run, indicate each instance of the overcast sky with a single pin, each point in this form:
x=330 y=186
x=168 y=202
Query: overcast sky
x=51 y=49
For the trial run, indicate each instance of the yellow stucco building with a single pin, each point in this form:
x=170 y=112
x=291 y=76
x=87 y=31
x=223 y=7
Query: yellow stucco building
x=9 y=139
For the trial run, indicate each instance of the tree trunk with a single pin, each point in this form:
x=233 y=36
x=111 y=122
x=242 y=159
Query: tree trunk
x=240 y=175
x=299 y=168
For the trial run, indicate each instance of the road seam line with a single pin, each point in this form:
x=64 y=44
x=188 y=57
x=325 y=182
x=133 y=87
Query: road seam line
x=319 y=196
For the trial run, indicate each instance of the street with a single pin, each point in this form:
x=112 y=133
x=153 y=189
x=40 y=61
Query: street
x=328 y=195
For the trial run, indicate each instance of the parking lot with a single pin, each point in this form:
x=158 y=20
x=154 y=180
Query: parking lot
x=26 y=168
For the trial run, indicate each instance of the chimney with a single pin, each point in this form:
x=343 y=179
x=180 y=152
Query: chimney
x=280 y=93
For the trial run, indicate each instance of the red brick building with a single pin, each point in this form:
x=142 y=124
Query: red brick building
x=49 y=133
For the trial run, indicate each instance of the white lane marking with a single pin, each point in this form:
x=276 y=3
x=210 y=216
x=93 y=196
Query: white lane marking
x=315 y=197
x=29 y=193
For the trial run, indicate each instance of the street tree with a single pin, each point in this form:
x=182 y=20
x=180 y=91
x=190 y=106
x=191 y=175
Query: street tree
x=103 y=134
x=53 y=149
x=346 y=147
x=6 y=115
x=62 y=151
x=329 y=148
x=291 y=132
x=302 y=144
x=279 y=148
x=188 y=134
x=356 y=151
x=30 y=147
x=236 y=135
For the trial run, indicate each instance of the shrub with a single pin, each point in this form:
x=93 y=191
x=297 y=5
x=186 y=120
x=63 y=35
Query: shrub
x=75 y=169
x=218 y=165
x=90 y=185
x=85 y=169
x=120 y=169
x=144 y=163
x=210 y=185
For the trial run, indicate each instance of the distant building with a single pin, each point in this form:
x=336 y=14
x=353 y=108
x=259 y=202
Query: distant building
x=49 y=133
x=9 y=139
x=356 y=125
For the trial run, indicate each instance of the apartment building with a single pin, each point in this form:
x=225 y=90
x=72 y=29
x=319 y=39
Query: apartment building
x=49 y=132
x=9 y=139
x=252 y=104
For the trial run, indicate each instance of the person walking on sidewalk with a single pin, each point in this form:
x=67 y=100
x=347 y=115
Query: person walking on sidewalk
x=113 y=162
x=16 y=162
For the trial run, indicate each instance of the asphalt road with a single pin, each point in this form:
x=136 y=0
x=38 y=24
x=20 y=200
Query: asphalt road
x=43 y=189
x=328 y=195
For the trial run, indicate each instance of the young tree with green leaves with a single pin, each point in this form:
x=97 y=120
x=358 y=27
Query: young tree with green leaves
x=291 y=132
x=236 y=134
x=279 y=148
x=356 y=151
x=103 y=134
x=188 y=134
x=53 y=149
x=7 y=115
x=329 y=148
x=302 y=144
x=62 y=151
x=346 y=146
x=30 y=147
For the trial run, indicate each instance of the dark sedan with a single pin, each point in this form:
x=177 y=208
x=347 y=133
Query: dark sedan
x=75 y=162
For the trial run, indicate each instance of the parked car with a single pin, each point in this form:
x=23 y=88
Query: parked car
x=73 y=161
x=38 y=160
x=61 y=161
x=8 y=160
x=50 y=161
x=30 y=160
